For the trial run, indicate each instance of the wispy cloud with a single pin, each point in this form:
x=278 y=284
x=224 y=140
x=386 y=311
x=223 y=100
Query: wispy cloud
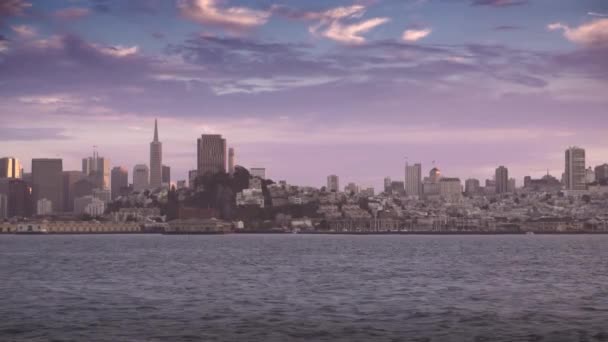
x=591 y=34
x=415 y=35
x=31 y=134
x=499 y=3
x=596 y=14
x=341 y=24
x=24 y=31
x=209 y=12
x=9 y=8
x=72 y=13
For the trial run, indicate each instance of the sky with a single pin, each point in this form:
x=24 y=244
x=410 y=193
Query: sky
x=308 y=88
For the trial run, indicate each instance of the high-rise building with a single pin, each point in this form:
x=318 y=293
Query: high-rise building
x=512 y=186
x=397 y=188
x=70 y=178
x=351 y=188
x=450 y=189
x=18 y=196
x=166 y=175
x=82 y=188
x=471 y=186
x=192 y=174
x=387 y=184
x=333 y=183
x=156 y=160
x=231 y=161
x=10 y=168
x=430 y=185
x=211 y=154
x=3 y=207
x=259 y=172
x=502 y=180
x=589 y=175
x=47 y=178
x=601 y=174
x=141 y=178
x=413 y=179
x=98 y=170
x=120 y=181
x=575 y=172
x=44 y=207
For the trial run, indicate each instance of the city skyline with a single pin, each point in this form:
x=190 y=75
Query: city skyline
x=345 y=87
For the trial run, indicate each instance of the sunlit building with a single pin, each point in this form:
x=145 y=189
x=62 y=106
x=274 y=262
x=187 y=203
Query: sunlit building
x=10 y=168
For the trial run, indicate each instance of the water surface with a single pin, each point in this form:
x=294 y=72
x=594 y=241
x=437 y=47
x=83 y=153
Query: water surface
x=303 y=288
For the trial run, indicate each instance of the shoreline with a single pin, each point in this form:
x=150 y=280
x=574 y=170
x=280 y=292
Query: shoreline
x=318 y=233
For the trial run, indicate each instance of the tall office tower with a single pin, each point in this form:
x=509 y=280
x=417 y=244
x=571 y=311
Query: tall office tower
x=574 y=175
x=10 y=168
x=601 y=174
x=471 y=186
x=333 y=183
x=120 y=181
x=97 y=169
x=351 y=188
x=589 y=175
x=3 y=207
x=166 y=178
x=502 y=180
x=192 y=178
x=387 y=184
x=413 y=180
x=259 y=172
x=231 y=161
x=397 y=188
x=156 y=160
x=70 y=178
x=211 y=154
x=512 y=186
x=141 y=178
x=18 y=196
x=47 y=178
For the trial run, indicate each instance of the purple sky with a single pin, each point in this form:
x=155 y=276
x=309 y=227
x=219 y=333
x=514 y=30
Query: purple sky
x=308 y=88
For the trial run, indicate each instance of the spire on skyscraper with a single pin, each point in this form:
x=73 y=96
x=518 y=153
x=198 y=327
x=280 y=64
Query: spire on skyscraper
x=155 y=130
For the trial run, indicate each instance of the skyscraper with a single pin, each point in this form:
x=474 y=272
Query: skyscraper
x=211 y=154
x=47 y=178
x=18 y=196
x=70 y=178
x=413 y=179
x=166 y=178
x=601 y=173
x=192 y=178
x=502 y=180
x=98 y=170
x=387 y=184
x=333 y=183
x=231 y=161
x=471 y=186
x=141 y=180
x=575 y=173
x=156 y=159
x=120 y=180
x=10 y=168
